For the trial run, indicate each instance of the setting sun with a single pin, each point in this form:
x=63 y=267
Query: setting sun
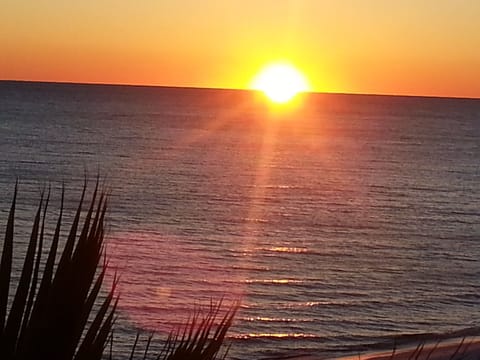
x=280 y=82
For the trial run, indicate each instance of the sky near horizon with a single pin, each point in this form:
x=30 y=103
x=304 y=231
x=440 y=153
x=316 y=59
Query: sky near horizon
x=422 y=47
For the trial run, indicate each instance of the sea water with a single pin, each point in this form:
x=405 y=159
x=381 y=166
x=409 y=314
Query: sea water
x=344 y=224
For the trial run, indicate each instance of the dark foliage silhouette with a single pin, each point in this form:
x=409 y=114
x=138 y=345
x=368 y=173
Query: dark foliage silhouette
x=57 y=310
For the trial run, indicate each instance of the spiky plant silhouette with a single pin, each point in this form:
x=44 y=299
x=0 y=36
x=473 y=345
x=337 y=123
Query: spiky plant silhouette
x=201 y=338
x=48 y=316
x=57 y=311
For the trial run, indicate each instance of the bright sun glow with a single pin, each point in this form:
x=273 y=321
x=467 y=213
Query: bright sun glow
x=280 y=82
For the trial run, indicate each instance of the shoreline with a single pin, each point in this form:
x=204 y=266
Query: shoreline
x=459 y=348
x=466 y=348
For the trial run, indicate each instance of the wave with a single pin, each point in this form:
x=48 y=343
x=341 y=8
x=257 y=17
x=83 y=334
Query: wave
x=413 y=339
x=308 y=344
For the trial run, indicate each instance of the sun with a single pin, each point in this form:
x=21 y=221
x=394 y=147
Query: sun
x=280 y=82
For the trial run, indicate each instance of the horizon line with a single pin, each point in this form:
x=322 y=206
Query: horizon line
x=233 y=89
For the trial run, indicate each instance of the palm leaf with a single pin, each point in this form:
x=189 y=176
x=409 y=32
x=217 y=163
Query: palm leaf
x=6 y=265
x=56 y=312
x=33 y=287
x=17 y=311
x=197 y=341
x=51 y=322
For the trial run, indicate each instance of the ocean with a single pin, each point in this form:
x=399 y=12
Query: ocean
x=348 y=224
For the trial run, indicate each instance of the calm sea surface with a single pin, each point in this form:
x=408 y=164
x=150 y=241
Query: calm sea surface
x=342 y=226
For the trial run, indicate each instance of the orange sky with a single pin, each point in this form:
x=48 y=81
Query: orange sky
x=422 y=47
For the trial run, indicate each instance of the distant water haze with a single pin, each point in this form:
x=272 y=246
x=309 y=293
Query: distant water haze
x=343 y=225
